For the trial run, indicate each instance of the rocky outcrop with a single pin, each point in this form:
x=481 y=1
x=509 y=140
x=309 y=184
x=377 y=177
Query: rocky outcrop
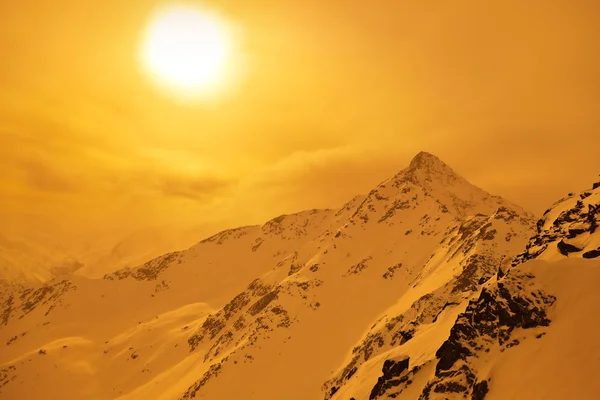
x=150 y=271
x=488 y=321
x=23 y=301
x=473 y=247
x=566 y=227
x=392 y=376
x=513 y=301
x=212 y=372
x=566 y=248
x=591 y=253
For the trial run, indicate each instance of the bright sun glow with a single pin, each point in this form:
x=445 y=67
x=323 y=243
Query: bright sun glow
x=187 y=49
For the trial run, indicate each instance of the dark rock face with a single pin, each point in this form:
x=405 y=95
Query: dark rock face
x=7 y=375
x=150 y=271
x=450 y=387
x=357 y=268
x=389 y=274
x=592 y=253
x=215 y=324
x=573 y=233
x=364 y=352
x=7 y=309
x=480 y=390
x=513 y=302
x=262 y=303
x=257 y=243
x=467 y=281
x=396 y=206
x=391 y=370
x=581 y=219
x=566 y=248
x=212 y=372
x=488 y=320
x=469 y=242
x=221 y=237
x=24 y=301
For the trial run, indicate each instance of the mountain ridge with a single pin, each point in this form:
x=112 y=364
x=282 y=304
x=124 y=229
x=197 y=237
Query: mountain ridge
x=375 y=299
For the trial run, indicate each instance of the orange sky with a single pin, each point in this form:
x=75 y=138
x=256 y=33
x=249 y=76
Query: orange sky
x=335 y=96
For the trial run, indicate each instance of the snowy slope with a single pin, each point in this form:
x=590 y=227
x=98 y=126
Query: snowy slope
x=368 y=301
x=145 y=314
x=359 y=271
x=420 y=320
x=35 y=257
x=516 y=337
x=569 y=228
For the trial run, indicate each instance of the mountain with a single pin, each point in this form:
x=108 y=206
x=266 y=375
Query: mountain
x=25 y=261
x=135 y=248
x=427 y=287
x=515 y=338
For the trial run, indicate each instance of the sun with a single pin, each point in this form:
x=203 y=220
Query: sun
x=187 y=49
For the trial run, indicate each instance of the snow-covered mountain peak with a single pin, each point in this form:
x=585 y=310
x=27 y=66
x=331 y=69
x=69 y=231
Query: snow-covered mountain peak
x=427 y=169
x=405 y=292
x=428 y=162
x=430 y=187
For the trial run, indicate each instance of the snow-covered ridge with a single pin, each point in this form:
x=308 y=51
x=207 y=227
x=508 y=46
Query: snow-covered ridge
x=570 y=228
x=467 y=257
x=509 y=309
x=406 y=292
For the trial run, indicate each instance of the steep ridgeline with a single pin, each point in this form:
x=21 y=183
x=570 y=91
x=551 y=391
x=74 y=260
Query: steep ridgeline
x=514 y=339
x=413 y=234
x=323 y=303
x=104 y=338
x=569 y=228
x=416 y=325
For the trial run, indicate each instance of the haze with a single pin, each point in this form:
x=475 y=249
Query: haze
x=299 y=200
x=332 y=100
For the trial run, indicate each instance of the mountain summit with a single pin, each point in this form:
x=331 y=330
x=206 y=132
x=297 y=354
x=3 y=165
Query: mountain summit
x=412 y=291
x=427 y=161
x=427 y=168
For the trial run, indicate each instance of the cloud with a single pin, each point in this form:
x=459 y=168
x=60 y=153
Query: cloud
x=45 y=165
x=192 y=187
x=43 y=177
x=323 y=178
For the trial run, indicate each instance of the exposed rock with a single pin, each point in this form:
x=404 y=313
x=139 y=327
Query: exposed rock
x=357 y=268
x=262 y=303
x=566 y=248
x=578 y=217
x=480 y=390
x=491 y=318
x=149 y=271
x=212 y=372
x=592 y=253
x=396 y=206
x=389 y=274
x=391 y=369
x=7 y=375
